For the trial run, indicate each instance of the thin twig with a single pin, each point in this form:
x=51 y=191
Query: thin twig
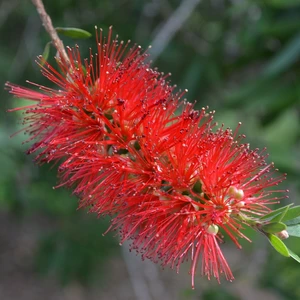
x=171 y=26
x=57 y=42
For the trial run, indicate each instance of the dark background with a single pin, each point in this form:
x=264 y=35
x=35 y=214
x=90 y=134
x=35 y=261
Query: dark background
x=240 y=57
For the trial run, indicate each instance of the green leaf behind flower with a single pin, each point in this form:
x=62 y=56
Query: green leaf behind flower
x=294 y=230
x=294 y=256
x=293 y=221
x=46 y=53
x=75 y=33
x=278 y=245
x=292 y=213
x=274 y=227
x=271 y=216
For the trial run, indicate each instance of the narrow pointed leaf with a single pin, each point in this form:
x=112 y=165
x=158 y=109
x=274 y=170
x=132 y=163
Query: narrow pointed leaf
x=294 y=230
x=274 y=227
x=75 y=33
x=46 y=53
x=280 y=216
x=292 y=213
x=278 y=245
x=293 y=221
x=272 y=214
x=294 y=256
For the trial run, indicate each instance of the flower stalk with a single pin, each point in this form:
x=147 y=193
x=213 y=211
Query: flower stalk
x=47 y=22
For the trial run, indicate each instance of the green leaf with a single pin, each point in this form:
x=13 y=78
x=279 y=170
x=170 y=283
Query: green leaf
x=270 y=216
x=279 y=217
x=278 y=245
x=45 y=54
x=294 y=256
x=273 y=227
x=294 y=230
x=75 y=33
x=292 y=213
x=293 y=221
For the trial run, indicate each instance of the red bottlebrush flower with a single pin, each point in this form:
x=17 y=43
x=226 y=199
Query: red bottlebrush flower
x=208 y=181
x=171 y=182
x=110 y=86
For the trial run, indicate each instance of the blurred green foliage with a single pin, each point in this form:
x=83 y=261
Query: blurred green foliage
x=75 y=250
x=239 y=57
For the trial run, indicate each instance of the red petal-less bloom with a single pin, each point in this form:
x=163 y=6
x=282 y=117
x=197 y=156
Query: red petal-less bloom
x=208 y=182
x=107 y=181
x=169 y=181
x=110 y=86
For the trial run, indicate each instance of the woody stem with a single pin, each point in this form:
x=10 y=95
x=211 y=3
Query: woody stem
x=47 y=23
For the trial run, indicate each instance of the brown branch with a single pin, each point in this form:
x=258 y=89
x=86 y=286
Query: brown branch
x=47 y=23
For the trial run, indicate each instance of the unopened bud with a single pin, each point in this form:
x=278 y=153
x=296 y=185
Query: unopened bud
x=212 y=229
x=240 y=204
x=196 y=206
x=239 y=195
x=232 y=190
x=283 y=234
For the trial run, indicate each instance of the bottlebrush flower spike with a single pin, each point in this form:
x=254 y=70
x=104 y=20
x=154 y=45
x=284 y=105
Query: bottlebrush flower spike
x=209 y=182
x=171 y=182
